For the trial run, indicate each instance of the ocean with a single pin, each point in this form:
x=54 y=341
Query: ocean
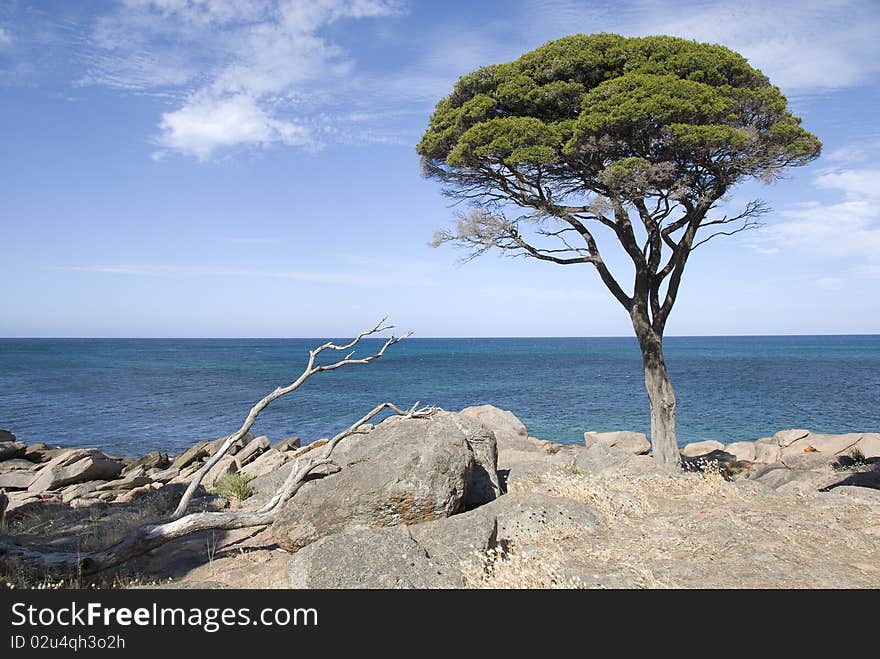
x=131 y=396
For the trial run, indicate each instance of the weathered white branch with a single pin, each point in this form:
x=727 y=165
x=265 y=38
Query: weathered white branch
x=311 y=369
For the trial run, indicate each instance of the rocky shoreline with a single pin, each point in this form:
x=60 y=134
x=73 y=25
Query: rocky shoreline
x=469 y=499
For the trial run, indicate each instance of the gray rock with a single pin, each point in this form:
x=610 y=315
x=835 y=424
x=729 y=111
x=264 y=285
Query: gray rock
x=72 y=492
x=75 y=466
x=12 y=449
x=6 y=435
x=523 y=517
x=428 y=555
x=869 y=445
x=767 y=450
x=787 y=437
x=152 y=460
x=695 y=449
x=267 y=463
x=134 y=478
x=484 y=485
x=41 y=452
x=236 y=446
x=288 y=444
x=16 y=480
x=405 y=471
x=192 y=454
x=742 y=450
x=509 y=431
x=252 y=450
x=626 y=440
x=17 y=464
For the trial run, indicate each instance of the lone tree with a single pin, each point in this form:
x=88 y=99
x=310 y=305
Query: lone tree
x=639 y=138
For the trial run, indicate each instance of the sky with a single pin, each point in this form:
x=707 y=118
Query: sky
x=247 y=168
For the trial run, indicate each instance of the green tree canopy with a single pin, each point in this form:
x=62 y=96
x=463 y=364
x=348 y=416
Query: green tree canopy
x=615 y=116
x=639 y=136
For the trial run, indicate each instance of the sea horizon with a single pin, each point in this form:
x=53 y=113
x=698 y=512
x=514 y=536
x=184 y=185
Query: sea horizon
x=131 y=395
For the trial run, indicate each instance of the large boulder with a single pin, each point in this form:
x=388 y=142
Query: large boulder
x=75 y=466
x=744 y=451
x=405 y=471
x=430 y=555
x=509 y=431
x=626 y=440
x=526 y=517
x=12 y=449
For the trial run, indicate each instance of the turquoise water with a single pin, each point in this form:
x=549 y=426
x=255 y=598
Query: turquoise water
x=130 y=396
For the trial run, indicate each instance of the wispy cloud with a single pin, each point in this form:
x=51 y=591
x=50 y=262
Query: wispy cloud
x=245 y=72
x=5 y=38
x=305 y=276
x=803 y=45
x=846 y=230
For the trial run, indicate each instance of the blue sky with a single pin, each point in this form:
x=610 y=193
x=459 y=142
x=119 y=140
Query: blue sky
x=247 y=168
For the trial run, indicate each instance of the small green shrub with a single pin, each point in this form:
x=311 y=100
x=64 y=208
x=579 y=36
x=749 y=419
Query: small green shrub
x=234 y=486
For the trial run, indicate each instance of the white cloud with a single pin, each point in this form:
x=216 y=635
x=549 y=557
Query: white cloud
x=5 y=38
x=247 y=73
x=854 y=183
x=803 y=45
x=206 y=123
x=376 y=278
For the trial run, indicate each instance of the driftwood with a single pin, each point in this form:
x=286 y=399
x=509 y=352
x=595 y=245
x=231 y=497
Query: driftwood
x=148 y=537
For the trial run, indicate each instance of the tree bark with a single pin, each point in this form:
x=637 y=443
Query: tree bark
x=662 y=398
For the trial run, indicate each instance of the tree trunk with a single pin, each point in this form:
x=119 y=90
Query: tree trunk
x=662 y=398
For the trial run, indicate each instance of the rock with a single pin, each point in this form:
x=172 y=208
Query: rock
x=632 y=442
x=41 y=452
x=483 y=486
x=833 y=444
x=288 y=444
x=405 y=471
x=16 y=480
x=295 y=453
x=267 y=463
x=869 y=445
x=12 y=449
x=744 y=451
x=152 y=460
x=787 y=437
x=236 y=446
x=523 y=517
x=17 y=464
x=131 y=495
x=767 y=451
x=186 y=474
x=426 y=555
x=75 y=466
x=72 y=492
x=509 y=431
x=192 y=454
x=135 y=478
x=226 y=465
x=253 y=449
x=6 y=435
x=162 y=475
x=695 y=449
